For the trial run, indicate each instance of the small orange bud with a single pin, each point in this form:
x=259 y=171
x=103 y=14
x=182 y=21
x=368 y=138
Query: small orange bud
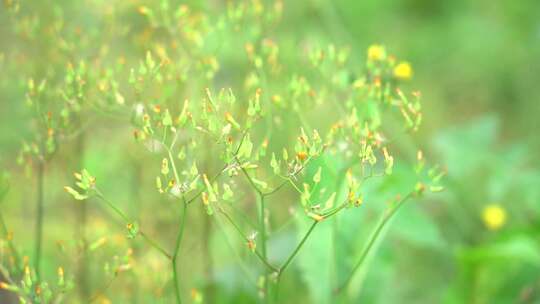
x=377 y=81
x=302 y=155
x=196 y=296
x=251 y=245
x=143 y=10
x=249 y=49
x=351 y=195
x=228 y=117
x=205 y=199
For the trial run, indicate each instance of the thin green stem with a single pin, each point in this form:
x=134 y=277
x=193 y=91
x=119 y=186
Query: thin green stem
x=373 y=239
x=294 y=186
x=7 y=276
x=112 y=206
x=249 y=276
x=154 y=244
x=214 y=178
x=179 y=237
x=276 y=189
x=336 y=210
x=262 y=225
x=173 y=165
x=262 y=229
x=180 y=233
x=340 y=179
x=149 y=240
x=250 y=180
x=291 y=257
x=39 y=219
x=237 y=228
x=297 y=249
x=80 y=226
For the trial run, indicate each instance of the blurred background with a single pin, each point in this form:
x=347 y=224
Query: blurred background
x=477 y=65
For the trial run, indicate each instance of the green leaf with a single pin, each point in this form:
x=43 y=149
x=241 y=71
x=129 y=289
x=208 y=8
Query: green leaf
x=183 y=117
x=313 y=260
x=159 y=184
x=150 y=63
x=133 y=230
x=226 y=130
x=317 y=176
x=469 y=147
x=167 y=119
x=261 y=184
x=194 y=171
x=227 y=192
x=329 y=204
x=275 y=165
x=417 y=227
x=182 y=153
x=246 y=148
x=165 y=166
x=517 y=247
x=76 y=195
x=211 y=192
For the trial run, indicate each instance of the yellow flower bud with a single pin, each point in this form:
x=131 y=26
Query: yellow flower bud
x=376 y=52
x=494 y=216
x=403 y=71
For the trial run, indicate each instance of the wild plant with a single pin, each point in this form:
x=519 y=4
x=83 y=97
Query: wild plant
x=237 y=122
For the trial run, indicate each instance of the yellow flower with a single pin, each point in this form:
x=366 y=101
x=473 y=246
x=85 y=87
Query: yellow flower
x=376 y=52
x=403 y=71
x=494 y=216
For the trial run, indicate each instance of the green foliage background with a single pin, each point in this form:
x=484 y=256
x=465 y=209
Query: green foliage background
x=476 y=63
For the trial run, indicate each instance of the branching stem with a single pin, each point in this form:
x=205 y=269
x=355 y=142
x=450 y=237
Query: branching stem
x=149 y=240
x=179 y=237
x=237 y=228
x=373 y=239
x=291 y=257
x=39 y=218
